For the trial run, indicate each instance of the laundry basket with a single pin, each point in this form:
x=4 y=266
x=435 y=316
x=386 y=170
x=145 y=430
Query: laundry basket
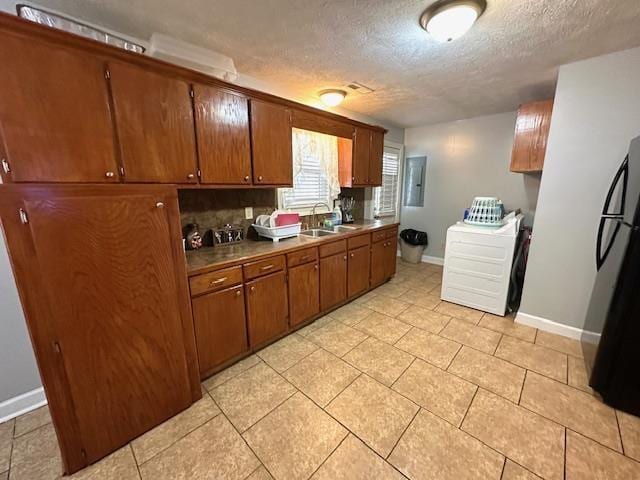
x=485 y=211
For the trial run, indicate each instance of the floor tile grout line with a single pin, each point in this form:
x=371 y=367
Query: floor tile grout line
x=402 y=434
x=247 y=443
x=637 y=462
x=504 y=464
x=452 y=360
x=619 y=431
x=564 y=469
x=236 y=375
x=464 y=417
x=403 y=372
x=522 y=387
x=331 y=453
x=135 y=460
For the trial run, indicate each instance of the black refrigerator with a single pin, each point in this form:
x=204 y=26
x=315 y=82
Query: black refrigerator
x=614 y=308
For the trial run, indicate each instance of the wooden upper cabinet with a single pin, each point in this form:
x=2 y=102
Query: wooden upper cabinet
x=154 y=120
x=271 y=144
x=224 y=145
x=361 y=157
x=530 y=140
x=54 y=114
x=375 y=159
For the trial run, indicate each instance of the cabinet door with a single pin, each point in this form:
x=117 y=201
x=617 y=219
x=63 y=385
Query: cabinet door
x=267 y=308
x=358 y=271
x=304 y=292
x=375 y=160
x=530 y=140
x=361 y=156
x=154 y=119
x=220 y=325
x=391 y=254
x=54 y=114
x=222 y=126
x=108 y=260
x=378 y=263
x=271 y=144
x=333 y=280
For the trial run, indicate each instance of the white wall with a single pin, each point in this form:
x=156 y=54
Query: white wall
x=18 y=372
x=595 y=116
x=465 y=159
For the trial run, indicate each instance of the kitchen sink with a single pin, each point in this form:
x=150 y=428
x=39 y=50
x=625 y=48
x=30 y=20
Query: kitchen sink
x=317 y=232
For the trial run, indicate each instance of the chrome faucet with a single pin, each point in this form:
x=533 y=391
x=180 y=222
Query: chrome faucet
x=314 y=217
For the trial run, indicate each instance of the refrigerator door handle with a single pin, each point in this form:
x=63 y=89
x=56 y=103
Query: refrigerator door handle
x=623 y=172
x=601 y=256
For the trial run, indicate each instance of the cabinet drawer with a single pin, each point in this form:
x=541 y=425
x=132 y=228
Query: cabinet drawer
x=213 y=281
x=391 y=233
x=302 y=256
x=263 y=267
x=359 y=241
x=379 y=235
x=333 y=248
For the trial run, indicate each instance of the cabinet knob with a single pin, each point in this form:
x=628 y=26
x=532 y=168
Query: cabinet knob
x=259 y=178
x=238 y=293
x=344 y=258
x=352 y=255
x=159 y=205
x=191 y=176
x=109 y=174
x=246 y=178
x=316 y=266
x=252 y=289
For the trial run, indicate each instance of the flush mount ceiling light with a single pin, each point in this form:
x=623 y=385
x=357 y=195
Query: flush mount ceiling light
x=447 y=20
x=332 y=97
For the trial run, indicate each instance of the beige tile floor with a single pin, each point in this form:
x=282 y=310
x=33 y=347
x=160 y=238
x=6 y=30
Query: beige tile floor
x=394 y=385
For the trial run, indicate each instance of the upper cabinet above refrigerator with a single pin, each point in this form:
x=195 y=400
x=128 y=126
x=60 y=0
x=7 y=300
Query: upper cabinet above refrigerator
x=530 y=140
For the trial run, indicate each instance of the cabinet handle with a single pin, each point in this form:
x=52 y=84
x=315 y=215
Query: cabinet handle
x=217 y=282
x=259 y=178
x=159 y=205
x=191 y=176
x=252 y=289
x=267 y=267
x=109 y=174
x=246 y=178
x=238 y=293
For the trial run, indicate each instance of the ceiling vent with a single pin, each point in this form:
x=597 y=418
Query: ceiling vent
x=191 y=56
x=358 y=88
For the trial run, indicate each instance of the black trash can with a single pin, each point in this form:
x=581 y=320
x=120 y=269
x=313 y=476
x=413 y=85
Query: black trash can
x=412 y=245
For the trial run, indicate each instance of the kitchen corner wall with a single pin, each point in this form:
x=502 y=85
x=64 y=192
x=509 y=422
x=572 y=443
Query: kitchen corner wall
x=595 y=116
x=465 y=159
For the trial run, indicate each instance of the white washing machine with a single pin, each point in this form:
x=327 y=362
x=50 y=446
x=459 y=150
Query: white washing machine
x=477 y=264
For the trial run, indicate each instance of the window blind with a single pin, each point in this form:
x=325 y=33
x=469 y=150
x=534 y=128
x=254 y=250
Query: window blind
x=386 y=197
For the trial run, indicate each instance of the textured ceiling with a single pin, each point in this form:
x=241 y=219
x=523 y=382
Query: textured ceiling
x=510 y=56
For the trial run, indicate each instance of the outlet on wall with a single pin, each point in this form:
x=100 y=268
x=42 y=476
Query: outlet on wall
x=248 y=213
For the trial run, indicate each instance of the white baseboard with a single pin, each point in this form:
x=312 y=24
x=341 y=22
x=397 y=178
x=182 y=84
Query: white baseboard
x=22 y=404
x=557 y=328
x=428 y=259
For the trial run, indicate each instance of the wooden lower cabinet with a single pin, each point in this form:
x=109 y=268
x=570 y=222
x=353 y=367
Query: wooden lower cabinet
x=108 y=315
x=220 y=327
x=358 y=271
x=333 y=280
x=304 y=292
x=267 y=307
x=378 y=263
x=391 y=255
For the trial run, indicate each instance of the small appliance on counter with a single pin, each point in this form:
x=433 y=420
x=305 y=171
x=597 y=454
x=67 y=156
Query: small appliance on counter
x=346 y=205
x=278 y=225
x=228 y=234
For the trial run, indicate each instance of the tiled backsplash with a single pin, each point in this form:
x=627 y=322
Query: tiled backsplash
x=212 y=209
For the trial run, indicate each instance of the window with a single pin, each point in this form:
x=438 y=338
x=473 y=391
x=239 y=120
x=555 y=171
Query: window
x=385 y=198
x=315 y=172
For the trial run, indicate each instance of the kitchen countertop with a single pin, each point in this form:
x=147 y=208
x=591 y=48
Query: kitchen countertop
x=213 y=258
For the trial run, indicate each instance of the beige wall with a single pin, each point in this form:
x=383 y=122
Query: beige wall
x=465 y=159
x=596 y=114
